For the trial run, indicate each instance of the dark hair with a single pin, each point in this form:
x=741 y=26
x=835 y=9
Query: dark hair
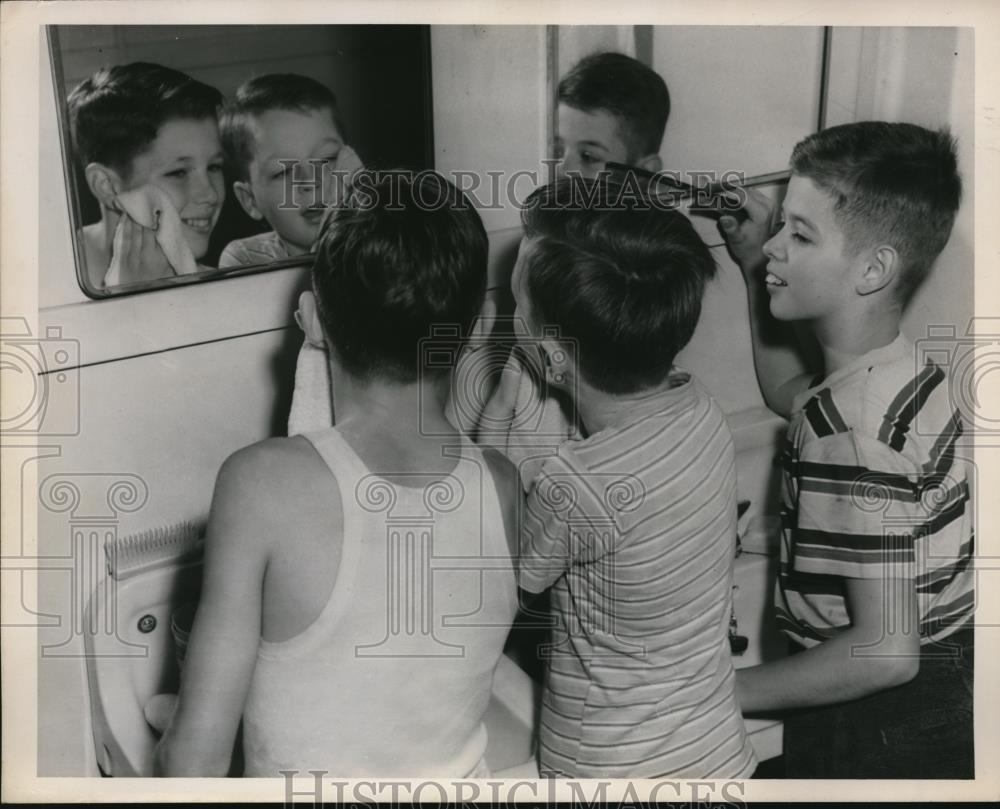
x=116 y=114
x=624 y=282
x=892 y=183
x=405 y=254
x=634 y=93
x=275 y=91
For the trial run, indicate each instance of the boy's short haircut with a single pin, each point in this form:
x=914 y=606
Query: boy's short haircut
x=624 y=282
x=634 y=93
x=116 y=113
x=405 y=254
x=275 y=91
x=893 y=183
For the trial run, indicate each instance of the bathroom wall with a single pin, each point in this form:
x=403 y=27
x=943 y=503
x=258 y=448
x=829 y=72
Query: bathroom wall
x=923 y=76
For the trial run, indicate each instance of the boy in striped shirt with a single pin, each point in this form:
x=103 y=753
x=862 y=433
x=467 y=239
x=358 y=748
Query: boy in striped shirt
x=632 y=526
x=876 y=582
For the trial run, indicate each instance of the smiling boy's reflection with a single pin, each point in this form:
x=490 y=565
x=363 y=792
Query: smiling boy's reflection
x=147 y=137
x=283 y=137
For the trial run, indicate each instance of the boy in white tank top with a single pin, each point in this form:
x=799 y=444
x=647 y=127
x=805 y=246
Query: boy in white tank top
x=358 y=583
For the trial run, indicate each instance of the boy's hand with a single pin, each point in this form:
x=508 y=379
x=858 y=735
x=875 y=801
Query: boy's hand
x=499 y=411
x=745 y=240
x=467 y=396
x=345 y=169
x=139 y=257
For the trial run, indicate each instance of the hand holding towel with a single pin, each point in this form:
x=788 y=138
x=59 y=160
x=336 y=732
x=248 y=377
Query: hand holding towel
x=149 y=240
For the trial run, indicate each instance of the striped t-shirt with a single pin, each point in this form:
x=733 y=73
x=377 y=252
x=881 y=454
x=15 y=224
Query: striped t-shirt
x=873 y=488
x=635 y=529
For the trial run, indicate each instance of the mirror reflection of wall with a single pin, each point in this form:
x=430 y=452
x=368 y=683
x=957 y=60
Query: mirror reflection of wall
x=379 y=74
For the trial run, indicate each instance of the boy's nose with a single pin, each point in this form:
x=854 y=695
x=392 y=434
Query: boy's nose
x=770 y=247
x=205 y=192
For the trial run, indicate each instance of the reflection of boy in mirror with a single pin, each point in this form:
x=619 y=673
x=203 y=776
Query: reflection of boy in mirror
x=150 y=130
x=611 y=108
x=283 y=137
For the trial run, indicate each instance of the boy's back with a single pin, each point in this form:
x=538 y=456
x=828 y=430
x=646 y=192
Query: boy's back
x=388 y=665
x=634 y=526
x=358 y=584
x=641 y=675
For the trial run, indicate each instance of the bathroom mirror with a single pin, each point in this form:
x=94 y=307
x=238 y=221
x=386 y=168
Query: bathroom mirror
x=380 y=75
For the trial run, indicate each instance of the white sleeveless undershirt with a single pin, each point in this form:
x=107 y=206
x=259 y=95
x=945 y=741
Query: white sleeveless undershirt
x=394 y=676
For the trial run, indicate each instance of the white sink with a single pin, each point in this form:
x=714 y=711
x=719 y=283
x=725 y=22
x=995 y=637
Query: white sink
x=753 y=597
x=126 y=666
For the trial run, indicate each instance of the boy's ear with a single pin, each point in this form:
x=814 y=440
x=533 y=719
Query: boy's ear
x=308 y=320
x=244 y=193
x=651 y=162
x=104 y=183
x=558 y=362
x=880 y=269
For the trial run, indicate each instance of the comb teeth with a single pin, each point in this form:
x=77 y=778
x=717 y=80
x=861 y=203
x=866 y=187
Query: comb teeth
x=155 y=547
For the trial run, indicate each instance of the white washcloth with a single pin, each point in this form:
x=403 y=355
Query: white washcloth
x=312 y=399
x=540 y=424
x=151 y=207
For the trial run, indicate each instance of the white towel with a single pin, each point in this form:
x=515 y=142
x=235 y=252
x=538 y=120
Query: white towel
x=151 y=207
x=540 y=424
x=312 y=399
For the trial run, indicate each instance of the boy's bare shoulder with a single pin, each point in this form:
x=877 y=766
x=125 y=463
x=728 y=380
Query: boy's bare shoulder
x=275 y=478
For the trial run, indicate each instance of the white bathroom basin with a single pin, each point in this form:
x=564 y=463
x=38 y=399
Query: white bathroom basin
x=126 y=666
x=754 y=577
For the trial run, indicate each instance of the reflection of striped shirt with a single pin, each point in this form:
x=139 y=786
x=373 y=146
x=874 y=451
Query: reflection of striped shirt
x=873 y=488
x=635 y=526
x=260 y=249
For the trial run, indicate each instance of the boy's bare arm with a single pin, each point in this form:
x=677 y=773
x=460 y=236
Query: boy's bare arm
x=881 y=649
x=224 y=639
x=509 y=492
x=778 y=348
x=467 y=392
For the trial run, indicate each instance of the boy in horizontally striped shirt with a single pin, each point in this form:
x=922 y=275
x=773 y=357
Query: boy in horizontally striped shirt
x=633 y=526
x=876 y=562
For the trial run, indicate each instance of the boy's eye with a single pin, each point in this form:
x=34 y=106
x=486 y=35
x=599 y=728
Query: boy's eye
x=796 y=237
x=215 y=167
x=587 y=157
x=177 y=173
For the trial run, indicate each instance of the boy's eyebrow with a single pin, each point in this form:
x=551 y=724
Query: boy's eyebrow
x=798 y=218
x=274 y=158
x=219 y=155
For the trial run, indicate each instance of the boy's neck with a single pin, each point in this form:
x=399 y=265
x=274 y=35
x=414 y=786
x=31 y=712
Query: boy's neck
x=850 y=335
x=598 y=410
x=403 y=409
